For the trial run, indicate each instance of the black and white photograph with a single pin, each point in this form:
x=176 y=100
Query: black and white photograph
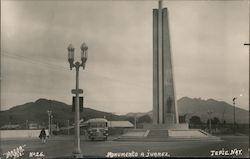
x=124 y=79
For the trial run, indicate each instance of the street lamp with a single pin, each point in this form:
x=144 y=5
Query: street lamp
x=77 y=91
x=51 y=125
x=68 y=126
x=234 y=99
x=210 y=125
x=71 y=55
x=84 y=54
x=49 y=122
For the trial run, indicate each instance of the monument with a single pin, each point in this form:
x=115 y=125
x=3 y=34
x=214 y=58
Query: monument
x=164 y=103
x=165 y=126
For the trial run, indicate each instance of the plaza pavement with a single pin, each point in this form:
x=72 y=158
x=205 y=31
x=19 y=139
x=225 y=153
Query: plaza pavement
x=62 y=146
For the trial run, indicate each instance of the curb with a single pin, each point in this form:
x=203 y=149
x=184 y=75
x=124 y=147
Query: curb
x=144 y=139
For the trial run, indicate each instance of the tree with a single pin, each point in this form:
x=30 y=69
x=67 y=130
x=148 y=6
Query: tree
x=182 y=118
x=224 y=122
x=196 y=120
x=215 y=121
x=131 y=119
x=144 y=119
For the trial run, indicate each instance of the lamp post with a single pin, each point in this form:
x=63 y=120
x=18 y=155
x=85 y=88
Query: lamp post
x=234 y=99
x=68 y=126
x=77 y=91
x=210 y=125
x=51 y=125
x=49 y=122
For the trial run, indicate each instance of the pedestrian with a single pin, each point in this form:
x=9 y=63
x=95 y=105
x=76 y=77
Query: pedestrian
x=42 y=135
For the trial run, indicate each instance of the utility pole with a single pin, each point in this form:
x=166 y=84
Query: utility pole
x=210 y=124
x=223 y=114
x=68 y=126
x=234 y=113
x=49 y=122
x=51 y=125
x=135 y=121
x=27 y=122
x=77 y=91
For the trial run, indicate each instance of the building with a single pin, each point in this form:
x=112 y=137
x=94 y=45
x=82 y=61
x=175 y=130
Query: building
x=120 y=124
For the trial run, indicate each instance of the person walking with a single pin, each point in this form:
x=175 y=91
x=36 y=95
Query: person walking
x=42 y=135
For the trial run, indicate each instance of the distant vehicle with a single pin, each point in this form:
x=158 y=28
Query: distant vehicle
x=97 y=128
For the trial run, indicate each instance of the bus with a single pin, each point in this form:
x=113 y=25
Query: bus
x=97 y=128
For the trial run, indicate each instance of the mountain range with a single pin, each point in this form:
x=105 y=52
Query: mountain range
x=37 y=112
x=200 y=107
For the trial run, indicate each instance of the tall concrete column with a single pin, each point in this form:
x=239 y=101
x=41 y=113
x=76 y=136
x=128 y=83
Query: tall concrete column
x=170 y=110
x=155 y=68
x=164 y=103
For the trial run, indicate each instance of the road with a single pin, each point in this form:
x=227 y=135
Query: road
x=63 y=146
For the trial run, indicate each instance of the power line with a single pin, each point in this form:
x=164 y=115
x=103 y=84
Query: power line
x=33 y=61
x=61 y=68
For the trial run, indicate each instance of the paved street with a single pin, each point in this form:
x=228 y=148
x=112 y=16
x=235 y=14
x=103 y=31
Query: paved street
x=63 y=146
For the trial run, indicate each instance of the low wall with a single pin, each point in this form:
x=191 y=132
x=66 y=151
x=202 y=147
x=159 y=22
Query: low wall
x=9 y=134
x=192 y=133
x=134 y=130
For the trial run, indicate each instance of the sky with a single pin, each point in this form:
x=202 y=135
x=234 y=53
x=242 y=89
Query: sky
x=207 y=37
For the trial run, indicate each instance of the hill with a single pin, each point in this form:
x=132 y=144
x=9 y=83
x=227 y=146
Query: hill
x=199 y=107
x=37 y=112
x=220 y=109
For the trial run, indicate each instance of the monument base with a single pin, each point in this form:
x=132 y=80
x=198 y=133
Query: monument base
x=165 y=132
x=77 y=155
x=169 y=126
